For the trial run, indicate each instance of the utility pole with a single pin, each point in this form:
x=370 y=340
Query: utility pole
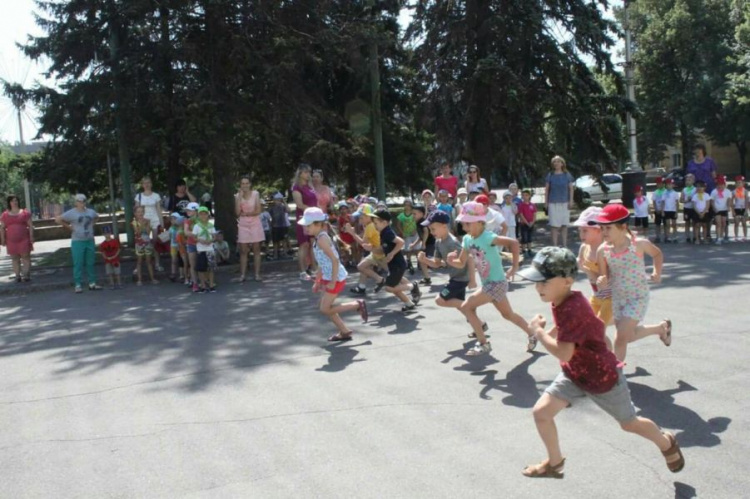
x=630 y=82
x=112 y=207
x=122 y=141
x=19 y=103
x=377 y=124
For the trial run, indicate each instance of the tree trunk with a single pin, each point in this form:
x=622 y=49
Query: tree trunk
x=742 y=151
x=685 y=144
x=222 y=170
x=174 y=145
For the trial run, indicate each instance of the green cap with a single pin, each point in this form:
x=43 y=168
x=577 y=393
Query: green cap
x=549 y=263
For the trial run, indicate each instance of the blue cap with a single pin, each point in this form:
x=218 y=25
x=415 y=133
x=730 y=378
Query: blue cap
x=106 y=229
x=437 y=217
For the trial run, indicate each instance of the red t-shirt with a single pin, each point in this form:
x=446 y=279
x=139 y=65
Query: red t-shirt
x=345 y=236
x=450 y=184
x=592 y=368
x=528 y=210
x=110 y=249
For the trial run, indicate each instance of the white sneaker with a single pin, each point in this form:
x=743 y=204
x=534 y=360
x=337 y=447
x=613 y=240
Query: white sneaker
x=304 y=276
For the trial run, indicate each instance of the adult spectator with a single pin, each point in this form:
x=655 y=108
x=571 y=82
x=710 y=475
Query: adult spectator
x=17 y=235
x=247 y=207
x=326 y=197
x=704 y=168
x=80 y=221
x=151 y=202
x=558 y=196
x=447 y=181
x=180 y=199
x=475 y=182
x=304 y=197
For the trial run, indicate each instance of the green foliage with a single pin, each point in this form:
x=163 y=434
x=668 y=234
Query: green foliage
x=11 y=174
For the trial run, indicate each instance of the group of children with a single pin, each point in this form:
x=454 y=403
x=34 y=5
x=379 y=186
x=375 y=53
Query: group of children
x=700 y=209
x=610 y=255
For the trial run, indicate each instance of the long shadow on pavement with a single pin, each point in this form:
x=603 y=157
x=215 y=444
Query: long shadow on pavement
x=341 y=356
x=520 y=386
x=660 y=406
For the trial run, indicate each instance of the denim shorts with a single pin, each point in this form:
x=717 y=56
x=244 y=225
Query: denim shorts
x=616 y=402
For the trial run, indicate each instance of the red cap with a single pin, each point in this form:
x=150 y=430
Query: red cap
x=638 y=189
x=483 y=199
x=721 y=179
x=669 y=181
x=659 y=180
x=613 y=213
x=739 y=178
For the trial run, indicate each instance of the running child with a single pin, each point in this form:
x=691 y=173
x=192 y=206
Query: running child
x=720 y=198
x=370 y=239
x=656 y=198
x=406 y=228
x=670 y=200
x=701 y=204
x=191 y=243
x=110 y=250
x=331 y=275
x=591 y=239
x=589 y=369
x=526 y=220
x=484 y=247
x=204 y=233
x=688 y=211
x=640 y=208
x=454 y=293
x=621 y=266
x=347 y=242
x=425 y=242
x=739 y=205
x=391 y=246
x=144 y=248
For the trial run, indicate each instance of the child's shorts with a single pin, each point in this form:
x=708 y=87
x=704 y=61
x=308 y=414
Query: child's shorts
x=616 y=402
x=144 y=250
x=497 y=290
x=408 y=241
x=670 y=215
x=278 y=234
x=688 y=214
x=376 y=262
x=340 y=285
x=641 y=222
x=454 y=290
x=739 y=212
x=722 y=213
x=602 y=309
x=192 y=248
x=112 y=269
x=206 y=261
x=658 y=219
x=394 y=276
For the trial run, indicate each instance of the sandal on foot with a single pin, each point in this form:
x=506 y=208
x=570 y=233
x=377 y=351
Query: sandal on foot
x=667 y=338
x=484 y=330
x=676 y=465
x=362 y=310
x=340 y=337
x=545 y=470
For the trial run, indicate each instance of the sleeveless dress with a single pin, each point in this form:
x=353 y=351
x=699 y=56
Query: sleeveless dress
x=309 y=198
x=17 y=237
x=325 y=263
x=627 y=276
x=250 y=229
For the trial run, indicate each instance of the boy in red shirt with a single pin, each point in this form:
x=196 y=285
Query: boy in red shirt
x=589 y=369
x=110 y=249
x=526 y=220
x=352 y=255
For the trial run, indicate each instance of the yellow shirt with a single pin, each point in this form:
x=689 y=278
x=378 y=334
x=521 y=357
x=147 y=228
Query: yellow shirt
x=372 y=236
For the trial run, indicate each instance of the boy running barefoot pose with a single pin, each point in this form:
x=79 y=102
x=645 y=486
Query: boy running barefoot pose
x=589 y=369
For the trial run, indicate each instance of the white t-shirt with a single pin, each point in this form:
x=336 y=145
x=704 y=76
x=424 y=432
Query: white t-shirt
x=658 y=198
x=670 y=199
x=641 y=209
x=699 y=204
x=509 y=213
x=721 y=203
x=495 y=221
x=152 y=206
x=740 y=201
x=687 y=196
x=197 y=231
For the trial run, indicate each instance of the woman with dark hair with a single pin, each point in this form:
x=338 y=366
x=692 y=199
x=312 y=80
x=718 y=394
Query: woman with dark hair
x=446 y=180
x=475 y=182
x=247 y=207
x=180 y=199
x=17 y=234
x=304 y=197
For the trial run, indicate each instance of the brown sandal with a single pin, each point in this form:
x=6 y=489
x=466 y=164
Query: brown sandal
x=676 y=465
x=341 y=336
x=545 y=470
x=667 y=339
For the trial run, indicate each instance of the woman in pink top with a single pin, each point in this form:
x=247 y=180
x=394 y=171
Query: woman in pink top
x=249 y=226
x=326 y=198
x=446 y=180
x=17 y=233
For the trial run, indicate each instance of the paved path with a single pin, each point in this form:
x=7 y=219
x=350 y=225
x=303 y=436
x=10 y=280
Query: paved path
x=153 y=392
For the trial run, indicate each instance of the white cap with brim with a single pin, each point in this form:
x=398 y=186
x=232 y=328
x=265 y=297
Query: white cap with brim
x=311 y=216
x=192 y=207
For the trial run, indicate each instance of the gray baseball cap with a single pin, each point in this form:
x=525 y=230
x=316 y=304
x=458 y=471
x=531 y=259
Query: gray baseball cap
x=549 y=263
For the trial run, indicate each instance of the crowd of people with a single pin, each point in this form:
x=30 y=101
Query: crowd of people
x=462 y=230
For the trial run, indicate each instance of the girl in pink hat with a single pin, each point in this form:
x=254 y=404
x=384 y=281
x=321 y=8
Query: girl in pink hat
x=484 y=248
x=622 y=267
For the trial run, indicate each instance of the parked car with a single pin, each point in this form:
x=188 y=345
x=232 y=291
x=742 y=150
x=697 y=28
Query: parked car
x=592 y=189
x=678 y=177
x=653 y=173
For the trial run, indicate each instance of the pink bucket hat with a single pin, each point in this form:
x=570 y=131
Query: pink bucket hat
x=588 y=217
x=473 y=212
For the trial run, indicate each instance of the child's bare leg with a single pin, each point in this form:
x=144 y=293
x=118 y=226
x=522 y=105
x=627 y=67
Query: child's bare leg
x=472 y=269
x=139 y=262
x=469 y=309
x=193 y=260
x=629 y=331
x=452 y=303
x=509 y=315
x=365 y=268
x=648 y=430
x=211 y=279
x=150 y=267
x=545 y=410
x=399 y=294
x=328 y=309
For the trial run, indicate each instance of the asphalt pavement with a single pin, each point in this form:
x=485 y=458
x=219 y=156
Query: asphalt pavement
x=155 y=392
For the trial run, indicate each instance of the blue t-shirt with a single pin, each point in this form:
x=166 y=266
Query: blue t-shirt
x=559 y=187
x=388 y=242
x=487 y=257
